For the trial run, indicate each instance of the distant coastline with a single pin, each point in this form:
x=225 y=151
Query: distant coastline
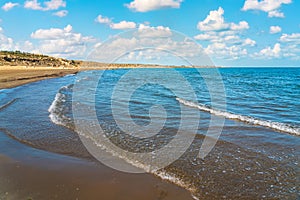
x=18 y=68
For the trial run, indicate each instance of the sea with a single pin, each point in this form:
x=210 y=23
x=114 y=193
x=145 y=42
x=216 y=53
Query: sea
x=226 y=133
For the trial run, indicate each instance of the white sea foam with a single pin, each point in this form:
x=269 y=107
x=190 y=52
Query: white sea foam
x=57 y=119
x=173 y=179
x=56 y=109
x=163 y=174
x=247 y=119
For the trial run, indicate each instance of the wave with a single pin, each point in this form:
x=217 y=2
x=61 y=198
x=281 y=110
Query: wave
x=161 y=173
x=8 y=104
x=57 y=108
x=282 y=127
x=58 y=116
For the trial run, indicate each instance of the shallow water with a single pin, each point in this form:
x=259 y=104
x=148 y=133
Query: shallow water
x=256 y=155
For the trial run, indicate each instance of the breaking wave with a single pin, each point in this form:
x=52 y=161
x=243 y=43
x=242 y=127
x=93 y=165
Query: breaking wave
x=247 y=119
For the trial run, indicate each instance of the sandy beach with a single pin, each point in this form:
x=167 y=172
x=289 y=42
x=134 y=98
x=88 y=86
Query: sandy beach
x=29 y=173
x=149 y=100
x=13 y=76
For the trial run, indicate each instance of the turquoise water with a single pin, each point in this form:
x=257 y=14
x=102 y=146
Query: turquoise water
x=256 y=155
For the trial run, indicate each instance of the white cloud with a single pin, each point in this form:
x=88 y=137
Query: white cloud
x=154 y=32
x=269 y=52
x=148 y=5
x=54 y=4
x=48 y=5
x=222 y=51
x=52 y=33
x=121 y=25
x=103 y=20
x=269 y=6
x=8 y=6
x=276 y=13
x=241 y=26
x=224 y=37
x=61 y=42
x=215 y=22
x=148 y=44
x=6 y=43
x=292 y=51
x=207 y=36
x=249 y=42
x=275 y=29
x=33 y=5
x=290 y=45
x=61 y=13
x=294 y=38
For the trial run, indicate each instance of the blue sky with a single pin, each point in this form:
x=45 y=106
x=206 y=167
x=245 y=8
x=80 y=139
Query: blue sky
x=230 y=32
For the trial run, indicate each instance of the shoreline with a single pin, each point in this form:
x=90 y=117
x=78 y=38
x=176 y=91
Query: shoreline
x=31 y=173
x=28 y=173
x=14 y=76
x=53 y=167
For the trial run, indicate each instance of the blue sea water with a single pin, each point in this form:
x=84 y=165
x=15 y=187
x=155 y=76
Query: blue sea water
x=256 y=155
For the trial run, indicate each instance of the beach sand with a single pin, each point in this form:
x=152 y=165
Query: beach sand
x=13 y=76
x=28 y=173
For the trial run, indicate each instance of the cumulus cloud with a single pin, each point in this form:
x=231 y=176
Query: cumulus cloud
x=6 y=43
x=292 y=45
x=120 y=25
x=275 y=29
x=103 y=20
x=276 y=13
x=270 y=6
x=123 y=25
x=224 y=37
x=249 y=42
x=151 y=45
x=61 y=13
x=207 y=36
x=222 y=51
x=149 y=5
x=8 y=6
x=294 y=38
x=243 y=25
x=269 y=52
x=47 y=5
x=292 y=51
x=61 y=42
x=153 y=32
x=215 y=22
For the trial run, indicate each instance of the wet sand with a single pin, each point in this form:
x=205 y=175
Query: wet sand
x=28 y=173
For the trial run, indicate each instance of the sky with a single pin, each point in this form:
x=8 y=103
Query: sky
x=229 y=32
